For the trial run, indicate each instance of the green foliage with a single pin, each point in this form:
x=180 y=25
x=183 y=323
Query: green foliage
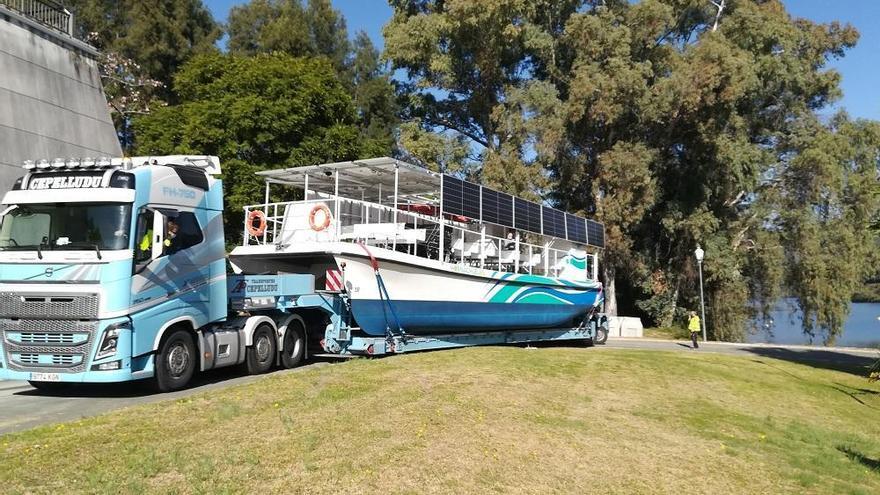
x=673 y=129
x=159 y=35
x=266 y=26
x=255 y=113
x=831 y=197
x=436 y=151
x=143 y=43
x=316 y=29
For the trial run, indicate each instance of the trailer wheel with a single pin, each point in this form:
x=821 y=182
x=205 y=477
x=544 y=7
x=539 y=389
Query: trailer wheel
x=175 y=362
x=294 y=347
x=261 y=354
x=601 y=334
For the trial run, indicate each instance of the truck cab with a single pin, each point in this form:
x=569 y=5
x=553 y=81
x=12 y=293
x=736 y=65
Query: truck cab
x=101 y=261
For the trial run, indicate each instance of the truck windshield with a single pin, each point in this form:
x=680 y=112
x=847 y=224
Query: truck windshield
x=59 y=226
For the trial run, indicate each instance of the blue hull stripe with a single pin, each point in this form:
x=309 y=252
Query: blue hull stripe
x=427 y=317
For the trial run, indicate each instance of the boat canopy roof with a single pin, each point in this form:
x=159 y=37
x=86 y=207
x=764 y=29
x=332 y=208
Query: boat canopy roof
x=371 y=179
x=386 y=180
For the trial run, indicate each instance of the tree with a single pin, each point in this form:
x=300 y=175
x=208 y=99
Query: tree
x=829 y=198
x=266 y=26
x=255 y=113
x=159 y=35
x=316 y=29
x=144 y=42
x=464 y=60
x=675 y=122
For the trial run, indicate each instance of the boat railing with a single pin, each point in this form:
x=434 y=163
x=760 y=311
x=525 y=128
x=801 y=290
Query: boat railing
x=464 y=242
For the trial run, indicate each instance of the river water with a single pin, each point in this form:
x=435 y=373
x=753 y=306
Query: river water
x=862 y=328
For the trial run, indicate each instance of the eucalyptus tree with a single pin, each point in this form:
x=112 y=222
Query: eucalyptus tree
x=676 y=122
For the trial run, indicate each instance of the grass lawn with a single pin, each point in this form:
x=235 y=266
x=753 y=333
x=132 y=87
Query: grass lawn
x=482 y=420
x=669 y=333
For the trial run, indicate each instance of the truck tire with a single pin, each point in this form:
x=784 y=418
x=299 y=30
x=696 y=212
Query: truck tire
x=261 y=354
x=601 y=334
x=175 y=361
x=294 y=347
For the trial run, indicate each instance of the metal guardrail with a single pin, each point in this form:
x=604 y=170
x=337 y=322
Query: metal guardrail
x=46 y=12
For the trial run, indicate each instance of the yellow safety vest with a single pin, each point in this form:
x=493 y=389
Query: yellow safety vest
x=694 y=323
x=147 y=241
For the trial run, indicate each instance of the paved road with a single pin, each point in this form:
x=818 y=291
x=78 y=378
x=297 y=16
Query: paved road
x=22 y=407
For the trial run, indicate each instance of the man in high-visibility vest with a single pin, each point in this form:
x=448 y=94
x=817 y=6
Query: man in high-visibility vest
x=694 y=328
x=171 y=228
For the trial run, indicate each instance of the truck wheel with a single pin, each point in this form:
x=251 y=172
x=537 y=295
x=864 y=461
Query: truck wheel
x=601 y=335
x=261 y=354
x=175 y=362
x=49 y=387
x=294 y=344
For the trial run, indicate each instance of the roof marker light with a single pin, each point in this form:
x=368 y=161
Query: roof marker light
x=103 y=162
x=29 y=165
x=71 y=163
x=87 y=162
x=43 y=164
x=58 y=163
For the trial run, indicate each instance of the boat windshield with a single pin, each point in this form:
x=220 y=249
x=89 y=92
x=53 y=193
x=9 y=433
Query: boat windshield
x=66 y=226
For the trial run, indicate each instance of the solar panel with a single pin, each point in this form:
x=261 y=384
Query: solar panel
x=452 y=195
x=554 y=222
x=596 y=233
x=505 y=209
x=465 y=198
x=577 y=229
x=528 y=215
x=490 y=205
x=470 y=200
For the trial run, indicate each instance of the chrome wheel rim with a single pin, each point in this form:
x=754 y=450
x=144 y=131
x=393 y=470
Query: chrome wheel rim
x=262 y=347
x=178 y=360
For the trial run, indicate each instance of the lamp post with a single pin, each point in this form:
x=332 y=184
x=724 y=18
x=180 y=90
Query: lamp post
x=699 y=253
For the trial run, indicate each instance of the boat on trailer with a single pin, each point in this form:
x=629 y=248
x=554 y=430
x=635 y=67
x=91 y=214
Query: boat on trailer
x=422 y=252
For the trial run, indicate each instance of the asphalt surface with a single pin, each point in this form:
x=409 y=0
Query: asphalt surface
x=22 y=407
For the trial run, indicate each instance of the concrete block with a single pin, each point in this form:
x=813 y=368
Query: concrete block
x=625 y=326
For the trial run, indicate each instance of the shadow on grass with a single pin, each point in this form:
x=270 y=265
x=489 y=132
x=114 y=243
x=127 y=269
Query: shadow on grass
x=817 y=358
x=855 y=392
x=856 y=456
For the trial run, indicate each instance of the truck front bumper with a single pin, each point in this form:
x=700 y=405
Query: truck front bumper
x=97 y=351
x=124 y=374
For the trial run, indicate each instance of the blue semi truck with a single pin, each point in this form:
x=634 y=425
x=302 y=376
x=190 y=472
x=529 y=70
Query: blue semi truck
x=113 y=270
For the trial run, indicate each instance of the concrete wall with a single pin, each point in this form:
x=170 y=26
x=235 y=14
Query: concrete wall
x=51 y=100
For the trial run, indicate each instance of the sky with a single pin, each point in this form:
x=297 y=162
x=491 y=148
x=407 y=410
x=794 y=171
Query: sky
x=860 y=67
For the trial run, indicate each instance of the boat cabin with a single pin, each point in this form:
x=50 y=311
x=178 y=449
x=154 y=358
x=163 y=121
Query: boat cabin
x=394 y=205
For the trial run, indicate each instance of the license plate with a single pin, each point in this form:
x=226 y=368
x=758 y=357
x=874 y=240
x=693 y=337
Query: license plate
x=45 y=377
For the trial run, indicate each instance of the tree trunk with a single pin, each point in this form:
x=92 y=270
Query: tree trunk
x=610 y=290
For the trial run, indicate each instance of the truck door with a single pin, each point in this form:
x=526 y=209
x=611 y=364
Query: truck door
x=187 y=257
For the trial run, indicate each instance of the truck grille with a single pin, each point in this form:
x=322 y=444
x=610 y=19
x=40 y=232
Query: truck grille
x=70 y=306
x=58 y=346
x=46 y=338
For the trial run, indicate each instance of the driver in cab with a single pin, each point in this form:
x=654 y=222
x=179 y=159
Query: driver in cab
x=171 y=242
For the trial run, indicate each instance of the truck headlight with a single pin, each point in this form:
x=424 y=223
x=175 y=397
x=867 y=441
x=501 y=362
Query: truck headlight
x=110 y=339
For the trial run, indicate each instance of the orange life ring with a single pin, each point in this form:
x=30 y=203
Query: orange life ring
x=260 y=228
x=325 y=223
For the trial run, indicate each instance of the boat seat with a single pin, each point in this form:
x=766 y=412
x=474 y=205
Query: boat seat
x=490 y=250
x=383 y=233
